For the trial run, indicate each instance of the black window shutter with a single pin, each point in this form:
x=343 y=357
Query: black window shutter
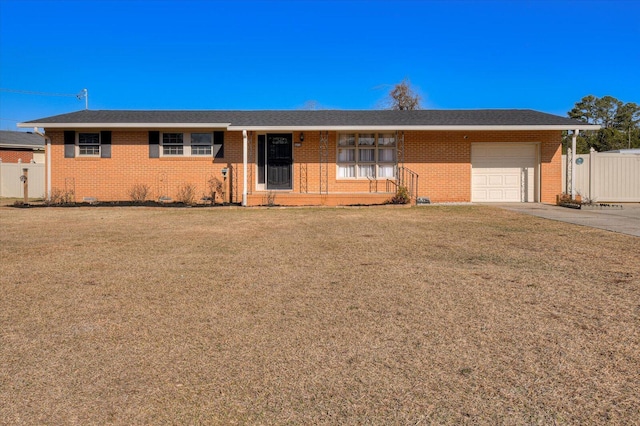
x=261 y=157
x=69 y=144
x=218 y=144
x=154 y=144
x=105 y=142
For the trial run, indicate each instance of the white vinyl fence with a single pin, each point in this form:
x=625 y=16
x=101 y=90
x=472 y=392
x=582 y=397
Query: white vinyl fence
x=12 y=186
x=604 y=176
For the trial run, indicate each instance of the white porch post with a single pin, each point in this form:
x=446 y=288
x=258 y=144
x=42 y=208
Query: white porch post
x=244 y=167
x=573 y=161
x=48 y=168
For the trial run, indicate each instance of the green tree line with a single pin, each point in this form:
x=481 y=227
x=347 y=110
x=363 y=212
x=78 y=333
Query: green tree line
x=619 y=124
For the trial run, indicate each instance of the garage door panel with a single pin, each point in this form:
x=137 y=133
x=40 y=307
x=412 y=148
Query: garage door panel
x=480 y=180
x=495 y=180
x=511 y=195
x=499 y=163
x=496 y=195
x=512 y=181
x=479 y=195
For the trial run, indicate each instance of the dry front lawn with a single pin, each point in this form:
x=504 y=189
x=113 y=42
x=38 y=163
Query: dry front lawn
x=437 y=315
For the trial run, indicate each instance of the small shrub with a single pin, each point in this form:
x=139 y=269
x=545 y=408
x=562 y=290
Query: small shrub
x=215 y=187
x=186 y=194
x=564 y=198
x=139 y=193
x=271 y=198
x=60 y=197
x=402 y=196
x=55 y=198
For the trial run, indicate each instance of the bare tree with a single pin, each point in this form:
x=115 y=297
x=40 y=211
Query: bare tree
x=310 y=105
x=403 y=97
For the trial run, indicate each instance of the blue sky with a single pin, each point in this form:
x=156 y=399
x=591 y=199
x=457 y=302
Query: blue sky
x=136 y=54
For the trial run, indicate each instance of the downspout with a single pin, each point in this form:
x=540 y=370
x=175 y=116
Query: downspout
x=47 y=161
x=573 y=163
x=244 y=167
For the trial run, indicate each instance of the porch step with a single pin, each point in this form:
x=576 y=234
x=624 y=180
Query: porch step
x=276 y=198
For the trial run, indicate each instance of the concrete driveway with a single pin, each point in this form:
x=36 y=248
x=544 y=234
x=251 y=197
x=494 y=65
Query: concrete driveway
x=625 y=220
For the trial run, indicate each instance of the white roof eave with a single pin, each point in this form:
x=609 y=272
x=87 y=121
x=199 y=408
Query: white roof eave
x=126 y=125
x=416 y=128
x=305 y=128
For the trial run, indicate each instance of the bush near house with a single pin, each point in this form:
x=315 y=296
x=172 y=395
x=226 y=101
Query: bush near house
x=402 y=196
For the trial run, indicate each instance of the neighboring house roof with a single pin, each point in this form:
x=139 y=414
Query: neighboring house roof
x=489 y=119
x=22 y=140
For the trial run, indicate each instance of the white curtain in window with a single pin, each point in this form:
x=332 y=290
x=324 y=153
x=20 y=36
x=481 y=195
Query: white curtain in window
x=346 y=155
x=386 y=171
x=367 y=171
x=386 y=155
x=388 y=139
x=346 y=171
x=366 y=139
x=347 y=139
x=367 y=155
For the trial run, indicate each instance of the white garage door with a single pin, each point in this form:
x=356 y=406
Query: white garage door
x=503 y=172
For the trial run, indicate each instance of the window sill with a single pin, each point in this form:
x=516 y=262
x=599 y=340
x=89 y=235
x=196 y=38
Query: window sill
x=364 y=179
x=187 y=158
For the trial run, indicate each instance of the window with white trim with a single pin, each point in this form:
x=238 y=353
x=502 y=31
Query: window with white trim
x=89 y=144
x=176 y=144
x=201 y=143
x=366 y=155
x=172 y=144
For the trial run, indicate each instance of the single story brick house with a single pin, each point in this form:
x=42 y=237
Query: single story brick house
x=320 y=157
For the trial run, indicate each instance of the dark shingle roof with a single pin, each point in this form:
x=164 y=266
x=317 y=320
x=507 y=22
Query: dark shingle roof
x=316 y=118
x=20 y=139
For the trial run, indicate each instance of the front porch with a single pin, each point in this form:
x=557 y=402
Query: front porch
x=283 y=198
x=323 y=168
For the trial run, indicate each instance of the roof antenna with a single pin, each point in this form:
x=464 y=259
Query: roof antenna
x=84 y=93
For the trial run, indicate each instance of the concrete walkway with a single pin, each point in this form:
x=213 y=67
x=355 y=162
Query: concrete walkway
x=625 y=220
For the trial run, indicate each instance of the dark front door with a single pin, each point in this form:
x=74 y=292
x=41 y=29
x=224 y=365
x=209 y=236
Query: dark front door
x=279 y=160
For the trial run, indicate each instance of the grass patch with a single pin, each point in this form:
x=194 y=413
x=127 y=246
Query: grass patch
x=464 y=314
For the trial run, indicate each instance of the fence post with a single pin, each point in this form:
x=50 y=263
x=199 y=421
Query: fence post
x=567 y=176
x=25 y=184
x=592 y=171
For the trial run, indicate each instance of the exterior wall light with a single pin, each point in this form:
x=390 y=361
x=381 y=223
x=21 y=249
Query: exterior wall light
x=301 y=136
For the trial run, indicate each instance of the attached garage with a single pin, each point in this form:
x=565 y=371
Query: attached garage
x=504 y=172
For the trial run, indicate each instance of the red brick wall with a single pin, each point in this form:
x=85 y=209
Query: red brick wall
x=442 y=159
x=113 y=178
x=13 y=155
